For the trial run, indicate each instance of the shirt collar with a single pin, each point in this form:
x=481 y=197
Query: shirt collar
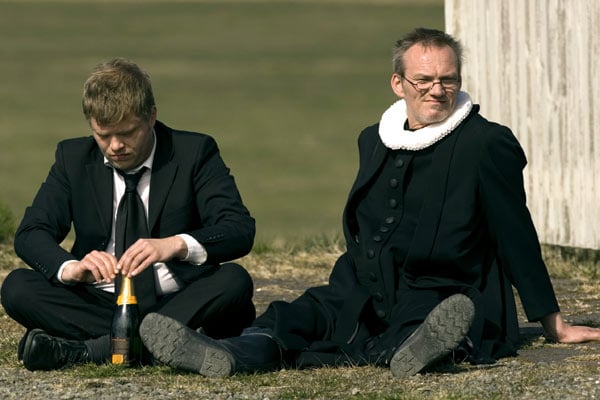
x=394 y=132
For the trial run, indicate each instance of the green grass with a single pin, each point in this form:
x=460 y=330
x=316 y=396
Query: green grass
x=284 y=86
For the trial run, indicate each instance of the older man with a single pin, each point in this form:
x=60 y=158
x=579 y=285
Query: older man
x=437 y=230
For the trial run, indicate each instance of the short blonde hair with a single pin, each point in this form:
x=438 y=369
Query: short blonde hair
x=116 y=89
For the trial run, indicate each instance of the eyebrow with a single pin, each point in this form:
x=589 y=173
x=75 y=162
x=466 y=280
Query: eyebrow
x=429 y=77
x=121 y=133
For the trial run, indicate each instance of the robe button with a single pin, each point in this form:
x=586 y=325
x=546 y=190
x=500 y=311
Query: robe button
x=380 y=313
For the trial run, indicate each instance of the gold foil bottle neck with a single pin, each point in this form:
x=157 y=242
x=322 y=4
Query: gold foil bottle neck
x=127 y=295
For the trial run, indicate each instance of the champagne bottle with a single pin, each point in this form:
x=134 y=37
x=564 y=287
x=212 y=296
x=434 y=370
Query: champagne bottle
x=126 y=345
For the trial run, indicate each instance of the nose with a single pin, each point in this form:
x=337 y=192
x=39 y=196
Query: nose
x=437 y=89
x=116 y=144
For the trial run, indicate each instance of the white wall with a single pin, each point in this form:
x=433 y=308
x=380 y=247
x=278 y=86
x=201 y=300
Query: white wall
x=534 y=65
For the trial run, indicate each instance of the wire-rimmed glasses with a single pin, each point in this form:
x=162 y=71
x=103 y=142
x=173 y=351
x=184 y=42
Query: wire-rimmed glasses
x=424 y=85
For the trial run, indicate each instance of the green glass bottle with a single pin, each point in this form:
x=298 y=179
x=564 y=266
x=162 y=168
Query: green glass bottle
x=126 y=344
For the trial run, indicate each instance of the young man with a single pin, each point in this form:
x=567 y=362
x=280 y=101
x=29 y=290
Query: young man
x=191 y=215
x=437 y=230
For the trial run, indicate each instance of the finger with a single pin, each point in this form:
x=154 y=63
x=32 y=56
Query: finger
x=104 y=264
x=127 y=257
x=89 y=265
x=140 y=262
x=125 y=262
x=129 y=260
x=140 y=268
x=580 y=334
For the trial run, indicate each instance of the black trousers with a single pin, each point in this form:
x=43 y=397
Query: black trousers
x=220 y=302
x=306 y=328
x=308 y=331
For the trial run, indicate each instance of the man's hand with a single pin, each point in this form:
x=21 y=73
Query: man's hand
x=146 y=252
x=557 y=329
x=96 y=266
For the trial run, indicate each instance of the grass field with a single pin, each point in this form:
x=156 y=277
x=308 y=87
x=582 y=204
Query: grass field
x=542 y=371
x=284 y=86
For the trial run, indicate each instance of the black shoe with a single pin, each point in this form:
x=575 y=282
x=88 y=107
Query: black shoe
x=44 y=352
x=441 y=332
x=181 y=347
x=21 y=346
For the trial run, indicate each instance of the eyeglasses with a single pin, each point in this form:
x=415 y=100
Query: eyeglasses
x=424 y=86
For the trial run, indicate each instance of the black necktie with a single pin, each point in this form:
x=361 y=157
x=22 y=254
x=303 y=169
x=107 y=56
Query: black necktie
x=130 y=226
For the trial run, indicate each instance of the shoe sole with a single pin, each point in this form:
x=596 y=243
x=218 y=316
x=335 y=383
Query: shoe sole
x=441 y=332
x=180 y=347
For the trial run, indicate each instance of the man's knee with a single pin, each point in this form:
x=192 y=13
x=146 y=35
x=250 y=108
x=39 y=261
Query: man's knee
x=237 y=281
x=16 y=287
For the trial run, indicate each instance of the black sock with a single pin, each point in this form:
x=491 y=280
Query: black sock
x=99 y=349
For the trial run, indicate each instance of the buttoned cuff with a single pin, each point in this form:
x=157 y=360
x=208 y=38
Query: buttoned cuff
x=196 y=253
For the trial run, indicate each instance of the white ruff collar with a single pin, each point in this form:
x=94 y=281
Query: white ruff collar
x=393 y=135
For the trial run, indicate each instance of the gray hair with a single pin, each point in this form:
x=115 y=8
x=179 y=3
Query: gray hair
x=427 y=38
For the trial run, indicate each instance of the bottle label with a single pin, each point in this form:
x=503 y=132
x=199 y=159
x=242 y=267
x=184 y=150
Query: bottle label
x=118 y=359
x=120 y=351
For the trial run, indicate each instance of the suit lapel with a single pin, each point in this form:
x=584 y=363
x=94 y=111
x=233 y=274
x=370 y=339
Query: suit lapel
x=372 y=154
x=101 y=185
x=369 y=166
x=163 y=174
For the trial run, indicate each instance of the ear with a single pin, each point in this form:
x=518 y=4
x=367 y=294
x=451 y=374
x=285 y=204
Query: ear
x=396 y=83
x=153 y=116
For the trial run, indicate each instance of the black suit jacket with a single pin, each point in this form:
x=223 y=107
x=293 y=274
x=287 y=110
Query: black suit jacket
x=191 y=191
x=475 y=208
x=474 y=232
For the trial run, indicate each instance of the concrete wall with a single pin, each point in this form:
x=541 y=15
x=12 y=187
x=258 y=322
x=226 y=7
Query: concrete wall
x=534 y=65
